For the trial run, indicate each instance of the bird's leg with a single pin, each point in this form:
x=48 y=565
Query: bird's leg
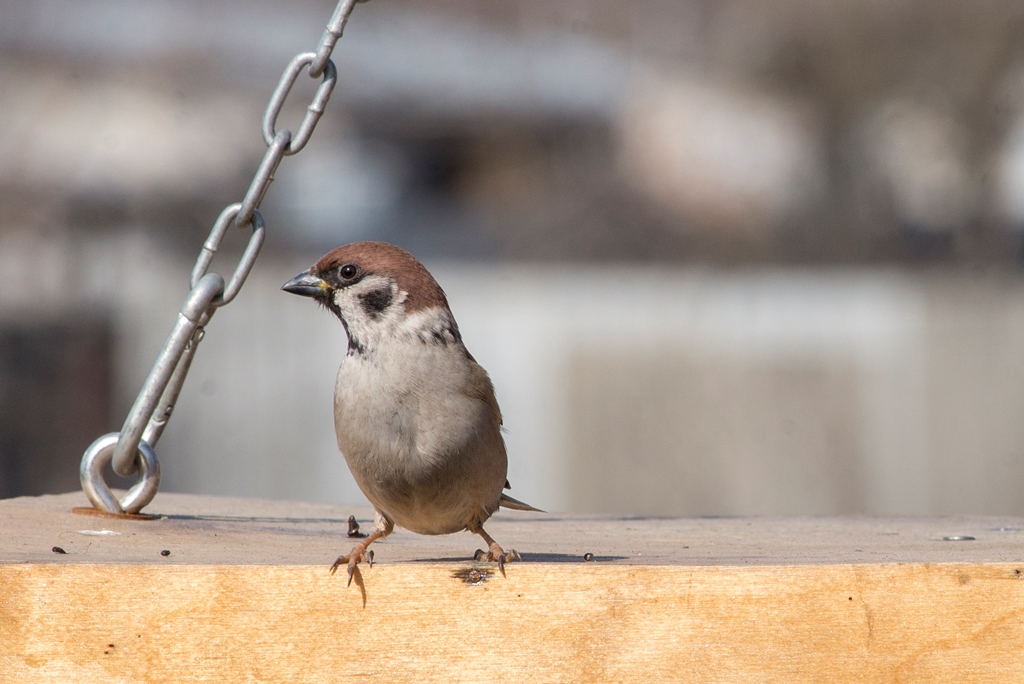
x=382 y=528
x=494 y=552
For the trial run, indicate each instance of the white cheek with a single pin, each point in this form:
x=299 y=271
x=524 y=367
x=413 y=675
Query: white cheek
x=348 y=298
x=370 y=330
x=343 y=300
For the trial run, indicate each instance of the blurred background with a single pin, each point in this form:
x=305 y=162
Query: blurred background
x=719 y=256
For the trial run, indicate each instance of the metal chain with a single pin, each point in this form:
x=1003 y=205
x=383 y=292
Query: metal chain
x=131 y=450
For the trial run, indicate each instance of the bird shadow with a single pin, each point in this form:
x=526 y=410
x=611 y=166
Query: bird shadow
x=249 y=519
x=525 y=557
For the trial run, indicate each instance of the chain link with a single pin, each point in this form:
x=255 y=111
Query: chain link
x=252 y=250
x=132 y=449
x=332 y=33
x=313 y=112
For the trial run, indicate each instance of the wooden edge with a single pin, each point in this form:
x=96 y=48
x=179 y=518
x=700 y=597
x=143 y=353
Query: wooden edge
x=436 y=622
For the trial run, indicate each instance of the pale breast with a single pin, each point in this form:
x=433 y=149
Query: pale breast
x=419 y=436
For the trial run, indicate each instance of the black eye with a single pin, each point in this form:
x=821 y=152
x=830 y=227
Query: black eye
x=348 y=271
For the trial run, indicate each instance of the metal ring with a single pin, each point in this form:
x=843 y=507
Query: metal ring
x=142 y=492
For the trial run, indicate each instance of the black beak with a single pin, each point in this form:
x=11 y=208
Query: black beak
x=307 y=285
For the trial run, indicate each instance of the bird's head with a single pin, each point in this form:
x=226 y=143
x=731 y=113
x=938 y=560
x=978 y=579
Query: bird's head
x=375 y=288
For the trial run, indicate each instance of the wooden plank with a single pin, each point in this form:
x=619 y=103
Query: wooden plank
x=222 y=531
x=245 y=596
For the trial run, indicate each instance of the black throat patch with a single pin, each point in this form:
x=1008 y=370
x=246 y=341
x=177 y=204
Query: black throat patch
x=355 y=347
x=375 y=302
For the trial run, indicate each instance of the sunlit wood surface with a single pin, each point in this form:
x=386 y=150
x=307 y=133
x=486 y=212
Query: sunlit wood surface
x=244 y=595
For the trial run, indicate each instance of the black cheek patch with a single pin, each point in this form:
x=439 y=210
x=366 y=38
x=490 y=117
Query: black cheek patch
x=376 y=301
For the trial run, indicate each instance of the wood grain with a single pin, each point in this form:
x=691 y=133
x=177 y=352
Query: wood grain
x=245 y=596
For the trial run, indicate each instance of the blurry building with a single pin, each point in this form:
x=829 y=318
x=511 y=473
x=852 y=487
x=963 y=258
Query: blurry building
x=734 y=257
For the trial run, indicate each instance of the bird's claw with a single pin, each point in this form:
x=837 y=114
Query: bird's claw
x=499 y=555
x=506 y=557
x=352 y=561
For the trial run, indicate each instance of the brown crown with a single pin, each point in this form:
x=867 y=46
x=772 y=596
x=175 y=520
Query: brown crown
x=381 y=258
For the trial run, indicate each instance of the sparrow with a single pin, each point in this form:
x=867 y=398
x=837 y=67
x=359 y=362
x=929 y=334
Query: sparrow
x=415 y=415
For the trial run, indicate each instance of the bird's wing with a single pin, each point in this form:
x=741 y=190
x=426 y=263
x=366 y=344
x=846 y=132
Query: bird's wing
x=481 y=388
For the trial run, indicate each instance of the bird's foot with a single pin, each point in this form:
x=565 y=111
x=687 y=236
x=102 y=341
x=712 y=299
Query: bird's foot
x=498 y=554
x=359 y=553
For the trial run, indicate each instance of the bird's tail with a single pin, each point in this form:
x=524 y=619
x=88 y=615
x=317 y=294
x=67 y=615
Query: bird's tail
x=507 y=501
